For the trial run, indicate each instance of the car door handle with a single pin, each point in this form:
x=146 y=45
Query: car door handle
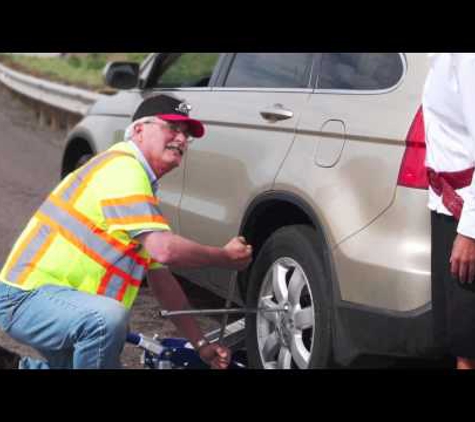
x=276 y=112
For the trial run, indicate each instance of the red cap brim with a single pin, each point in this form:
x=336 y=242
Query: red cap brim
x=197 y=129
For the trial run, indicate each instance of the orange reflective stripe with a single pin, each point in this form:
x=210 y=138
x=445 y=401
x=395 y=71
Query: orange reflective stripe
x=88 y=177
x=28 y=254
x=88 y=172
x=104 y=281
x=127 y=250
x=21 y=248
x=138 y=219
x=129 y=200
x=71 y=238
x=84 y=248
x=119 y=287
x=121 y=292
x=31 y=266
x=131 y=210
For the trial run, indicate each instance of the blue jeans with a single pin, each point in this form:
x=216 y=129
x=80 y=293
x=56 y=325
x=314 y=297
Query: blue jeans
x=71 y=329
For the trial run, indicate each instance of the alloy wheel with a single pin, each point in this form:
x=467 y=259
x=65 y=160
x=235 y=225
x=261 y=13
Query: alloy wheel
x=285 y=338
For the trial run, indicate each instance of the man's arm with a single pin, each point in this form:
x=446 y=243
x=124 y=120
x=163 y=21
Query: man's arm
x=168 y=292
x=462 y=260
x=171 y=249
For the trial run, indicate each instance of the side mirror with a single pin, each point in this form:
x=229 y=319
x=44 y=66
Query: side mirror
x=121 y=75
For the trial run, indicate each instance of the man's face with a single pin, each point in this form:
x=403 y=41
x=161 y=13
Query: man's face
x=162 y=143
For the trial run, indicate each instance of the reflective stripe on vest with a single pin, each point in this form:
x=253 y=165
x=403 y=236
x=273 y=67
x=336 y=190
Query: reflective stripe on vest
x=31 y=251
x=132 y=209
x=115 y=287
x=97 y=244
x=73 y=190
x=122 y=264
x=444 y=184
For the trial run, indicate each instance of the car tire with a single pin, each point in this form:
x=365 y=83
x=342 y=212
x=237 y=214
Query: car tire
x=288 y=273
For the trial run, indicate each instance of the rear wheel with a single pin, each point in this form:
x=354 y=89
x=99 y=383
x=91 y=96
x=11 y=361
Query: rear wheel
x=288 y=274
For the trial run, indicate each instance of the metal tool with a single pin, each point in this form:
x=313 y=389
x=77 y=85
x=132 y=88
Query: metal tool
x=227 y=305
x=167 y=314
x=227 y=310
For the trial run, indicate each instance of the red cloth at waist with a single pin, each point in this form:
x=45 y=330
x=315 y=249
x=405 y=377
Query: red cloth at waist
x=445 y=183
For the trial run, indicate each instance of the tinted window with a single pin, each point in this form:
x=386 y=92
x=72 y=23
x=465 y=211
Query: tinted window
x=189 y=69
x=270 y=70
x=360 y=71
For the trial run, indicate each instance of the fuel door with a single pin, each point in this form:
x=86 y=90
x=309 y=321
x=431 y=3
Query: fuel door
x=330 y=144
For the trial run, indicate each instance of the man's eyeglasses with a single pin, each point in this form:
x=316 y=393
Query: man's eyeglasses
x=175 y=128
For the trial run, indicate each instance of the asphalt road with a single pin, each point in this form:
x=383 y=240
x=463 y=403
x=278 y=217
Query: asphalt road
x=30 y=162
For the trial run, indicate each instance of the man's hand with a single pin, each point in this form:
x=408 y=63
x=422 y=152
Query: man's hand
x=462 y=260
x=239 y=253
x=215 y=355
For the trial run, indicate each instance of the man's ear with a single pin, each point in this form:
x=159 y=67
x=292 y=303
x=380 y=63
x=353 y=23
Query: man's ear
x=138 y=128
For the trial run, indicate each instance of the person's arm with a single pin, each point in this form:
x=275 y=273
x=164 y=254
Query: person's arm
x=170 y=295
x=462 y=260
x=171 y=249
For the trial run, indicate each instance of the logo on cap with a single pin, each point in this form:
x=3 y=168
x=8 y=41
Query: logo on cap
x=184 y=108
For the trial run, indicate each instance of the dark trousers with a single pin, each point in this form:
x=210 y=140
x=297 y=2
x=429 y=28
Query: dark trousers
x=453 y=303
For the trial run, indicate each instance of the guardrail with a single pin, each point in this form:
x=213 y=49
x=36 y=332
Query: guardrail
x=56 y=104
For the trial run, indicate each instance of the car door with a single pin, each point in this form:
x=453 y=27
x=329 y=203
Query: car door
x=350 y=139
x=186 y=76
x=251 y=117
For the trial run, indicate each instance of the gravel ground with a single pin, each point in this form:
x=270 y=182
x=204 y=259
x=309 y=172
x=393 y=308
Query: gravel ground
x=29 y=168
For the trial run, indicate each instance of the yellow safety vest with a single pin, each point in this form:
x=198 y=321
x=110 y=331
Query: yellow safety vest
x=79 y=235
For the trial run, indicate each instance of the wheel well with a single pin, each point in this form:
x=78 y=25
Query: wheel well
x=74 y=151
x=270 y=215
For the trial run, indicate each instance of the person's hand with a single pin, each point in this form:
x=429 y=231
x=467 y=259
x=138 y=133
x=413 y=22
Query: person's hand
x=215 y=355
x=462 y=259
x=239 y=253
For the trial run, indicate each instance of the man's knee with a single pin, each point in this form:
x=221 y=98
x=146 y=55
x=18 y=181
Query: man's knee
x=107 y=321
x=116 y=320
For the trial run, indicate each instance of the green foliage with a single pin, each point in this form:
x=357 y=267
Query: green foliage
x=95 y=62
x=136 y=57
x=83 y=70
x=74 y=62
x=189 y=69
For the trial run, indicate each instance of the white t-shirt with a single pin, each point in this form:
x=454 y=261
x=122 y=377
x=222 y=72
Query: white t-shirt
x=449 y=116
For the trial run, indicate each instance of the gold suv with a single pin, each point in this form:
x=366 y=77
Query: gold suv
x=317 y=159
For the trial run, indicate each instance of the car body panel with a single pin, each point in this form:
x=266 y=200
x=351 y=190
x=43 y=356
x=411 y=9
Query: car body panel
x=364 y=182
x=241 y=153
x=383 y=270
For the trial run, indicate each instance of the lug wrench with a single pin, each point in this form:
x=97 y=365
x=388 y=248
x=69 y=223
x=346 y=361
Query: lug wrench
x=167 y=314
x=227 y=305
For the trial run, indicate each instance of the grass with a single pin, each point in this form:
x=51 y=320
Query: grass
x=83 y=70
x=189 y=69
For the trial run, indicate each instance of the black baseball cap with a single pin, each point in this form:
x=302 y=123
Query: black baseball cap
x=169 y=109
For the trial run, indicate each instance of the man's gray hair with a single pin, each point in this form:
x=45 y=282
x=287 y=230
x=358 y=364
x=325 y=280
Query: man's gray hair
x=129 y=131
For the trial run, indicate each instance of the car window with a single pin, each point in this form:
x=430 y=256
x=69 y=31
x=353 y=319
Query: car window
x=270 y=70
x=360 y=71
x=188 y=70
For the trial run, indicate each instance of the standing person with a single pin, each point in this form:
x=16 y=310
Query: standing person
x=449 y=116
x=68 y=285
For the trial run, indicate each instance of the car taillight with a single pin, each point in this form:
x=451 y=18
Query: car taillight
x=412 y=173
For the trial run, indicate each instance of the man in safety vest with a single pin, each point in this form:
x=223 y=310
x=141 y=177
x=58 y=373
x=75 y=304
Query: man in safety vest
x=69 y=282
x=449 y=117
